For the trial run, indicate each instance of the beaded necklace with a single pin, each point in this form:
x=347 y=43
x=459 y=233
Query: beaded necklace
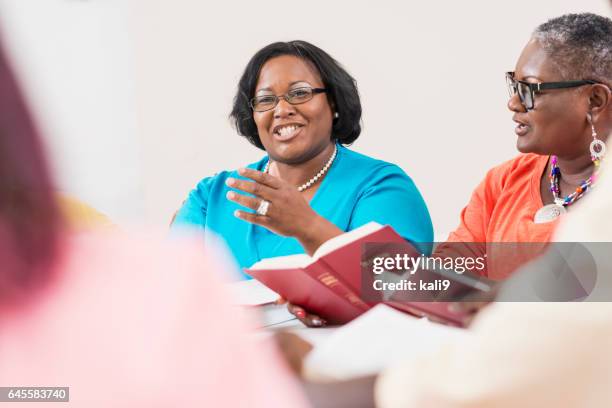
x=551 y=211
x=555 y=176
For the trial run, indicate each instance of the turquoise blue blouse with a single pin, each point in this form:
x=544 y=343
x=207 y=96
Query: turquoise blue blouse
x=356 y=190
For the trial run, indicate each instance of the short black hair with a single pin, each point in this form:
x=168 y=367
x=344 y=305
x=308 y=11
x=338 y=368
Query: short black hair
x=580 y=45
x=341 y=91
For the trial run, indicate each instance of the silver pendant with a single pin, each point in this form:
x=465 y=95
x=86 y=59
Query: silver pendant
x=549 y=213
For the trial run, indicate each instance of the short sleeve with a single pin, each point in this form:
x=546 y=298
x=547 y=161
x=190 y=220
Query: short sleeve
x=470 y=237
x=475 y=217
x=392 y=198
x=193 y=210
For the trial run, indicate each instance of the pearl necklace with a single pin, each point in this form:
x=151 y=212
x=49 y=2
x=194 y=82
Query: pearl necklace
x=317 y=176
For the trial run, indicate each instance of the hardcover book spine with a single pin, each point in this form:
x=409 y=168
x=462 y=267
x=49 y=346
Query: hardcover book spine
x=334 y=284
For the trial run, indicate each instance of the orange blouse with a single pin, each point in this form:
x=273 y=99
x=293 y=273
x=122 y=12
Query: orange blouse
x=501 y=210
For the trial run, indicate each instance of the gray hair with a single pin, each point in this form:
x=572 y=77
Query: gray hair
x=580 y=45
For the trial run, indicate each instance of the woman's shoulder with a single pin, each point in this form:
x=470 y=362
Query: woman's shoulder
x=521 y=162
x=523 y=165
x=359 y=162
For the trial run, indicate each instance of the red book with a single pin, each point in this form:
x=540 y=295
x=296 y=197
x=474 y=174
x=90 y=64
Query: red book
x=329 y=283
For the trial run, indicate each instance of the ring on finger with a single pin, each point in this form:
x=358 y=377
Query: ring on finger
x=263 y=207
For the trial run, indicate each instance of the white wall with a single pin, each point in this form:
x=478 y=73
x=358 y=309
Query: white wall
x=74 y=59
x=430 y=76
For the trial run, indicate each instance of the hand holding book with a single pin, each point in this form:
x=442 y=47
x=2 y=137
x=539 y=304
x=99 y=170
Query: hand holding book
x=343 y=279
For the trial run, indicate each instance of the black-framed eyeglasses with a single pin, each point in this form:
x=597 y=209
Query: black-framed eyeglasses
x=527 y=90
x=295 y=97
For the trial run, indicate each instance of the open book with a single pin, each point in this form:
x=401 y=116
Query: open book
x=329 y=283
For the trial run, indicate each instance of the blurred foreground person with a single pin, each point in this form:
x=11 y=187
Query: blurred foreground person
x=122 y=321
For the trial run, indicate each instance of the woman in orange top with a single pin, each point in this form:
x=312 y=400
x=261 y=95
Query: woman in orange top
x=561 y=98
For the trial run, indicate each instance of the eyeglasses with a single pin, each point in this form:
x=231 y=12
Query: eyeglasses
x=527 y=90
x=295 y=97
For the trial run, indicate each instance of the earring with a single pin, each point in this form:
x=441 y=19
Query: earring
x=598 y=147
x=336 y=115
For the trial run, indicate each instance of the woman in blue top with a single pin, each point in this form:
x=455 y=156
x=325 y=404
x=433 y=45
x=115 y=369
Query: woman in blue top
x=299 y=105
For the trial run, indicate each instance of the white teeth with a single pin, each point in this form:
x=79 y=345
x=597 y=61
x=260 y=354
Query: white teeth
x=287 y=130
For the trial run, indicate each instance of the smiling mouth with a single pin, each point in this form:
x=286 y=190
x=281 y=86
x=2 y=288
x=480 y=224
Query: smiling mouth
x=287 y=132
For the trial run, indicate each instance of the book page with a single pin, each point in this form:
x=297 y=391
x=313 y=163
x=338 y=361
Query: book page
x=374 y=341
x=284 y=262
x=346 y=238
